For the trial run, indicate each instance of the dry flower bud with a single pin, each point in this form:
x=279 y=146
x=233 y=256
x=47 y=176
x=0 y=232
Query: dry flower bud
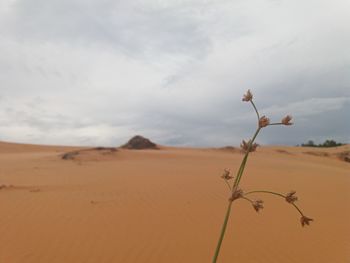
x=226 y=175
x=264 y=121
x=258 y=204
x=286 y=120
x=237 y=193
x=248 y=96
x=291 y=198
x=305 y=220
x=245 y=146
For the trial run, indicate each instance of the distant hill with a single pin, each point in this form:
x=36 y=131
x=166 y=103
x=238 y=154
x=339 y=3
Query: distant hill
x=138 y=143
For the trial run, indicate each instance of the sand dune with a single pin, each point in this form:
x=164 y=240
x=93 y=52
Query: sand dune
x=168 y=205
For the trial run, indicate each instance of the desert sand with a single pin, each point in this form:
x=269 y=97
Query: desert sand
x=168 y=205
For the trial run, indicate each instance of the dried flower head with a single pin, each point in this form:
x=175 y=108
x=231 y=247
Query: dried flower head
x=226 y=175
x=264 y=121
x=291 y=198
x=286 y=120
x=248 y=96
x=258 y=204
x=245 y=146
x=305 y=220
x=237 y=193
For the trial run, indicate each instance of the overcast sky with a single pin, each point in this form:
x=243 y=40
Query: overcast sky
x=84 y=72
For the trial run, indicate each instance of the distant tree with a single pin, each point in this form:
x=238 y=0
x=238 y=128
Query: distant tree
x=330 y=143
x=310 y=143
x=327 y=143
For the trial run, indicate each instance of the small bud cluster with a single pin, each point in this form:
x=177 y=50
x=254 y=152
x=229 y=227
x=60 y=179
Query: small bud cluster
x=291 y=198
x=248 y=96
x=237 y=193
x=305 y=220
x=245 y=146
x=286 y=120
x=264 y=121
x=226 y=175
x=258 y=204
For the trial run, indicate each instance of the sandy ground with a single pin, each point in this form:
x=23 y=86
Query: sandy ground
x=168 y=206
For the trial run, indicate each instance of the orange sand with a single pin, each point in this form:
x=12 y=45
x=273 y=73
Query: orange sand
x=168 y=206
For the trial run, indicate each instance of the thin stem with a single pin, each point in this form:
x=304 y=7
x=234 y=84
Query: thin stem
x=245 y=198
x=276 y=123
x=228 y=184
x=222 y=234
x=256 y=110
x=241 y=169
x=297 y=208
x=266 y=192
x=278 y=194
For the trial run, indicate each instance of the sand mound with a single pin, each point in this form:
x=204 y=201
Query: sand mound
x=32 y=189
x=70 y=155
x=229 y=149
x=89 y=154
x=336 y=153
x=4 y=186
x=138 y=142
x=345 y=156
x=282 y=151
x=320 y=154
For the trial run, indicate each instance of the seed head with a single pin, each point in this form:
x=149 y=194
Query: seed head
x=237 y=193
x=286 y=120
x=248 y=96
x=226 y=175
x=264 y=121
x=245 y=146
x=257 y=205
x=291 y=198
x=305 y=220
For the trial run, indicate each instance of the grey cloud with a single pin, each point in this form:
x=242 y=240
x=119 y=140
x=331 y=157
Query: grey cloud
x=129 y=27
x=98 y=72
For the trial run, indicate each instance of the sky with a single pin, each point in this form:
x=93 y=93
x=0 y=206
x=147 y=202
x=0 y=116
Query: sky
x=84 y=72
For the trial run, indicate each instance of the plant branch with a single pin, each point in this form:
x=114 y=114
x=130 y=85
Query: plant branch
x=276 y=123
x=228 y=184
x=278 y=194
x=245 y=198
x=266 y=192
x=256 y=110
x=244 y=161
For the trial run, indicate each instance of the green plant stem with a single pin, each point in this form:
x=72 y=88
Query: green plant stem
x=222 y=234
x=241 y=168
x=234 y=188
